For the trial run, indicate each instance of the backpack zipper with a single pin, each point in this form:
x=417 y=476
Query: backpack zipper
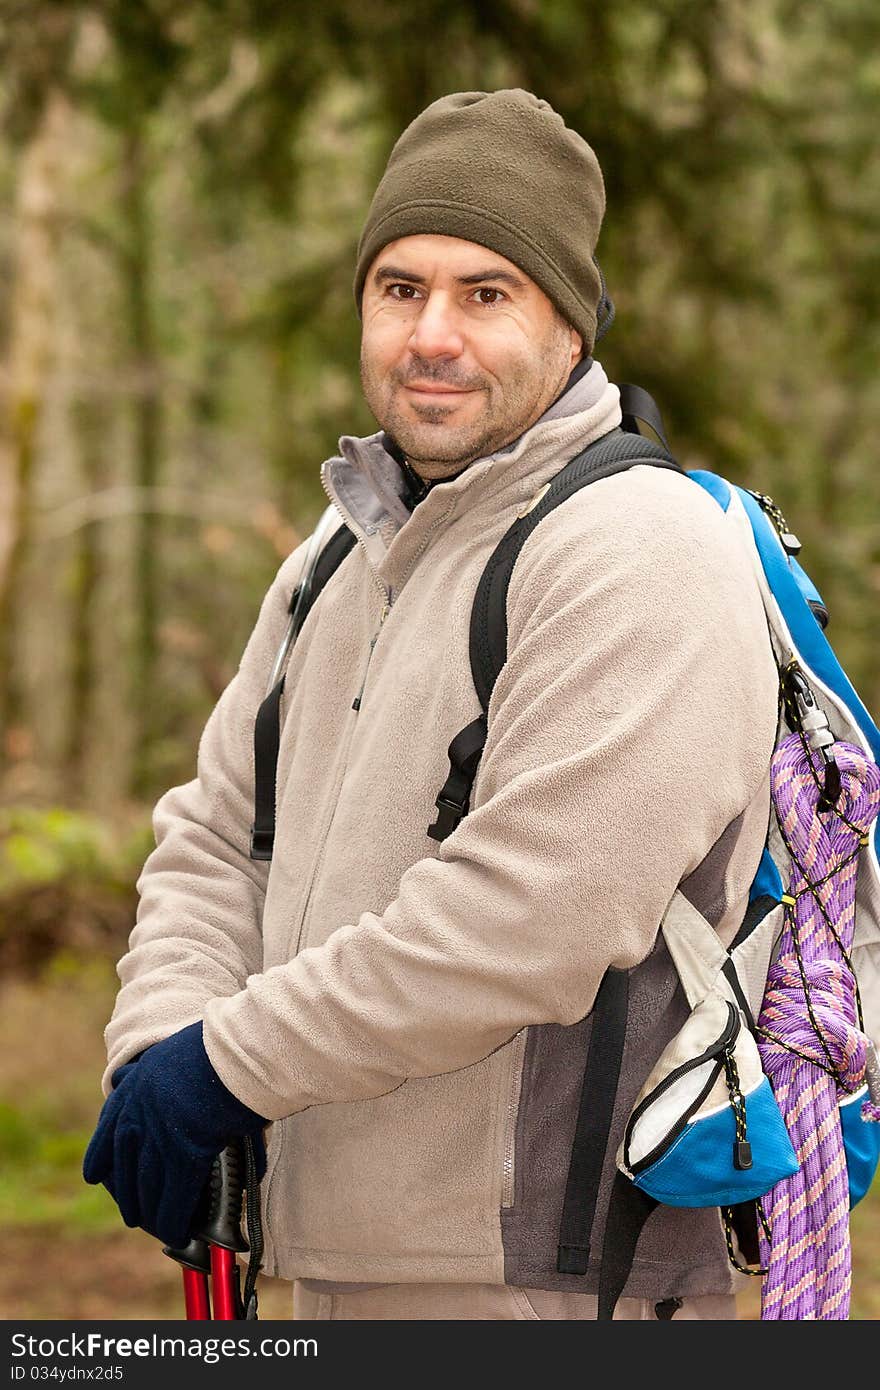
x=716 y=1052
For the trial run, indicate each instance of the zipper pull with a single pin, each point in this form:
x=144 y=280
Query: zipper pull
x=742 y=1149
x=356 y=703
x=742 y=1155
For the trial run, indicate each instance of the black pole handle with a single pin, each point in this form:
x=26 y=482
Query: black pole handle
x=218 y=1220
x=193 y=1255
x=222 y=1226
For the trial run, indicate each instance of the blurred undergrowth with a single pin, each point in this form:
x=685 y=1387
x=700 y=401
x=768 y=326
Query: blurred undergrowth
x=66 y=883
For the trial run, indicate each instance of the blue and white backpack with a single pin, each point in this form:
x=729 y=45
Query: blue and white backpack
x=705 y=1130
x=682 y=1140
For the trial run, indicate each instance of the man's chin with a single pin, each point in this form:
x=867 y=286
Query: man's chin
x=436 y=446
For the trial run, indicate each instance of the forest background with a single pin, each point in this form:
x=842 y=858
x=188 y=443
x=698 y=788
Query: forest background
x=182 y=185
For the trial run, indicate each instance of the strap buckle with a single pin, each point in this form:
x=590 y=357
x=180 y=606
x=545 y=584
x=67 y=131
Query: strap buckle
x=450 y=814
x=262 y=843
x=572 y=1259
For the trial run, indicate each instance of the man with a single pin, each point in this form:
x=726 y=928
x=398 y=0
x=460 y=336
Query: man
x=414 y=1017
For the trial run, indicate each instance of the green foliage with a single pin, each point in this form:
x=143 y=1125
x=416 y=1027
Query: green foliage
x=16 y=1136
x=223 y=156
x=39 y=847
x=41 y=1176
x=67 y=888
x=50 y=1095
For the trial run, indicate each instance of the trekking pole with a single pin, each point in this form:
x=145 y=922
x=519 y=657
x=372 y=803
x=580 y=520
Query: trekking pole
x=222 y=1231
x=196 y=1264
x=213 y=1249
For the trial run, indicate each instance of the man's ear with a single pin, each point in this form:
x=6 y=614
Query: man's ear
x=577 y=347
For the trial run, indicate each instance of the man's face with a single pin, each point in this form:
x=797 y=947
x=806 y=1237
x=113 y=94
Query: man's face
x=461 y=351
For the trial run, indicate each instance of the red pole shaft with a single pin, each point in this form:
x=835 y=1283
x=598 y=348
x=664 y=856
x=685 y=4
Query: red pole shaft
x=195 y=1296
x=222 y=1283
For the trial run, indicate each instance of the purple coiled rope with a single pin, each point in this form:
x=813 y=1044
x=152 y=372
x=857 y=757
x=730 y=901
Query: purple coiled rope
x=811 y=1044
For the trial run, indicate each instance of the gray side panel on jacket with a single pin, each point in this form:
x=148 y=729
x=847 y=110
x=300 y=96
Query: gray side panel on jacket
x=682 y=1251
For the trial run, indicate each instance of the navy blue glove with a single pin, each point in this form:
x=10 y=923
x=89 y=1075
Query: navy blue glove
x=123 y=1071
x=168 y=1118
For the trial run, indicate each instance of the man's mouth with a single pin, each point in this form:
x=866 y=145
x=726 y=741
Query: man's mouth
x=435 y=389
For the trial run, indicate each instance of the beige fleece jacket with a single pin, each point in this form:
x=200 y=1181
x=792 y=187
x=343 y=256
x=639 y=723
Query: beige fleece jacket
x=371 y=990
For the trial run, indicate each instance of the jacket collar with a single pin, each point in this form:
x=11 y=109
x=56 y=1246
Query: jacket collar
x=368 y=486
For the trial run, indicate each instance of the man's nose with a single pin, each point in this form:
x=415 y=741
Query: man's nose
x=437 y=331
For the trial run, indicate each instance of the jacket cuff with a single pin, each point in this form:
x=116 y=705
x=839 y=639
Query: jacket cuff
x=240 y=1074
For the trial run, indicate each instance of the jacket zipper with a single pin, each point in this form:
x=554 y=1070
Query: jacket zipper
x=319 y=859
x=509 y=1170
x=715 y=1051
x=330 y=810
x=358 y=699
x=386 y=593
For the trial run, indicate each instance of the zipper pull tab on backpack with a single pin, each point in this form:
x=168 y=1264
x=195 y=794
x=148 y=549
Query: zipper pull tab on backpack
x=742 y=1149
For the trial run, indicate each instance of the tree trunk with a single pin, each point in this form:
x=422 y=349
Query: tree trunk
x=146 y=702
x=31 y=323
x=90 y=425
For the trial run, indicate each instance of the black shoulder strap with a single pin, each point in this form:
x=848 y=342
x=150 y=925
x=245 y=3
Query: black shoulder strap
x=613 y=453
x=628 y=1211
x=636 y=404
x=329 y=560
x=267 y=731
x=595 y=1114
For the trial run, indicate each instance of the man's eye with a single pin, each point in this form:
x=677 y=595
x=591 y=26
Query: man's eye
x=489 y=290
x=405 y=291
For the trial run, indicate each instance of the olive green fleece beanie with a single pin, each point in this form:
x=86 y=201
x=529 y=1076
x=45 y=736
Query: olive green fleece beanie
x=501 y=169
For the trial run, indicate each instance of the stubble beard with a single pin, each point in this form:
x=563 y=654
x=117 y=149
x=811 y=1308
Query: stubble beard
x=435 y=446
x=437 y=449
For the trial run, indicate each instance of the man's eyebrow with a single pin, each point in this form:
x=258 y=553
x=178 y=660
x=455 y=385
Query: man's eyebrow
x=391 y=272
x=479 y=277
